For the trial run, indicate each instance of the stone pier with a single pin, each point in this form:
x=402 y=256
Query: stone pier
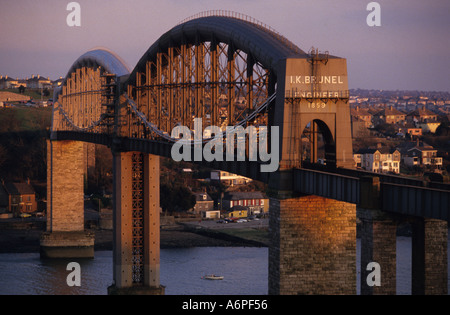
x=378 y=240
x=313 y=246
x=429 y=257
x=378 y=244
x=65 y=236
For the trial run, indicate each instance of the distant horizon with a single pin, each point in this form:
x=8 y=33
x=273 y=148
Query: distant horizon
x=367 y=89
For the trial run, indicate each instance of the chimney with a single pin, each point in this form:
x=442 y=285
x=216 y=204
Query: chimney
x=6 y=77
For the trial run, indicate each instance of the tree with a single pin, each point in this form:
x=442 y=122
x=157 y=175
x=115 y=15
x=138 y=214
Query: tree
x=21 y=89
x=443 y=129
x=176 y=198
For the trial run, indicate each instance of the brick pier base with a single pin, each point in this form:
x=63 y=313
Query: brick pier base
x=378 y=244
x=313 y=246
x=429 y=257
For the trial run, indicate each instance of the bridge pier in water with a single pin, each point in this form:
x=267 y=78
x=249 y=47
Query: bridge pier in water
x=65 y=236
x=136 y=256
x=313 y=246
x=429 y=259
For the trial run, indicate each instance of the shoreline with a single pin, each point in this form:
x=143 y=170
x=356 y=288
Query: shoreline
x=24 y=237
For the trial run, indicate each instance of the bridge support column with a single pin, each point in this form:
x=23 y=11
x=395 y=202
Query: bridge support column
x=378 y=240
x=313 y=246
x=379 y=245
x=65 y=236
x=429 y=257
x=137 y=225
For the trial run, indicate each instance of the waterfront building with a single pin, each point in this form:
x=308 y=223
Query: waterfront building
x=254 y=201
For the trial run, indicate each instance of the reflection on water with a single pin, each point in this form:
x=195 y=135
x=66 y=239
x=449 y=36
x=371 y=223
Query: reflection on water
x=245 y=271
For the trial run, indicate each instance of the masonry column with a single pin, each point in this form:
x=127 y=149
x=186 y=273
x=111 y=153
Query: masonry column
x=378 y=241
x=429 y=257
x=313 y=246
x=136 y=224
x=65 y=236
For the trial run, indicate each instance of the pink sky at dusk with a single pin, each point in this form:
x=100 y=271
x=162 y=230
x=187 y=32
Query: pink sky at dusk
x=409 y=51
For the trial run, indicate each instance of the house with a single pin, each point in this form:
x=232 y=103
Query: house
x=379 y=160
x=419 y=153
x=421 y=114
x=425 y=119
x=20 y=197
x=229 y=179
x=410 y=129
x=254 y=201
x=8 y=82
x=203 y=203
x=362 y=114
x=38 y=82
x=389 y=115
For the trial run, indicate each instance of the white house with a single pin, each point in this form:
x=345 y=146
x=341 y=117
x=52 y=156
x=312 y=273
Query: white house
x=381 y=160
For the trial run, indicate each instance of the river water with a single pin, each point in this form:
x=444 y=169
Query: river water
x=245 y=271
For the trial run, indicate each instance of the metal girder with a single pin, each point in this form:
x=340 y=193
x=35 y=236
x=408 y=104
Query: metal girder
x=328 y=185
x=416 y=201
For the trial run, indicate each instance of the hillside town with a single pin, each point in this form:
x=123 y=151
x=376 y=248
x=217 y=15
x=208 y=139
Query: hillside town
x=401 y=132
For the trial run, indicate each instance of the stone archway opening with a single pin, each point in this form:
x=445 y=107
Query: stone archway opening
x=317 y=144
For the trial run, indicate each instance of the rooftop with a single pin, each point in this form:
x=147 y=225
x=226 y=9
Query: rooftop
x=18 y=188
x=240 y=195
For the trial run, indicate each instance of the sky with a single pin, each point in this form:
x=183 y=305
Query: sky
x=409 y=51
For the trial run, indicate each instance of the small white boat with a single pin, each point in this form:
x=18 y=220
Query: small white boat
x=212 y=277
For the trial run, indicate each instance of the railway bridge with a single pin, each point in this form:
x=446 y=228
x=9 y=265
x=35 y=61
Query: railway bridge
x=233 y=73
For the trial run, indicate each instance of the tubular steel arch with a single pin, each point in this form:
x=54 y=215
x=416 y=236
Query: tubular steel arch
x=218 y=68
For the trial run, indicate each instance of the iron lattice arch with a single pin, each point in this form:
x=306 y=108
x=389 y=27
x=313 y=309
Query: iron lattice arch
x=208 y=80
